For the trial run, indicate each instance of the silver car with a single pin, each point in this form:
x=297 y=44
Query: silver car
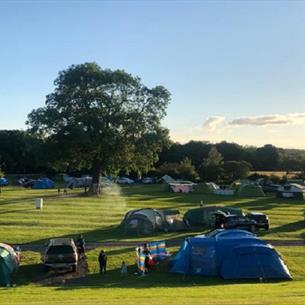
x=61 y=253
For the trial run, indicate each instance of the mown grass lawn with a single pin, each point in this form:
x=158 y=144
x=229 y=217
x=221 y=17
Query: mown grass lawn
x=98 y=219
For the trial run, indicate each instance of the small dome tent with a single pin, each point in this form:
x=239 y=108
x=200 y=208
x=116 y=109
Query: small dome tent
x=203 y=188
x=250 y=190
x=3 y=182
x=144 y=221
x=43 y=183
x=291 y=190
x=79 y=182
x=9 y=262
x=230 y=254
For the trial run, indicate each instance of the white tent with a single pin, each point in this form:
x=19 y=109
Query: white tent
x=168 y=179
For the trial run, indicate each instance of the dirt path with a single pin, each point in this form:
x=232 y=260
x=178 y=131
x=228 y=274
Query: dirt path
x=177 y=242
x=60 y=278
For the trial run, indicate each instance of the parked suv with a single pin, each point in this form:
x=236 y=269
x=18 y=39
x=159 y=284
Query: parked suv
x=228 y=221
x=262 y=220
x=239 y=222
x=61 y=253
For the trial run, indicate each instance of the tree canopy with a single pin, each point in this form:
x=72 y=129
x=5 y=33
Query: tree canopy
x=182 y=170
x=102 y=119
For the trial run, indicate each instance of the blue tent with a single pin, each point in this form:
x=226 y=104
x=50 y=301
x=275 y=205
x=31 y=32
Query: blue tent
x=230 y=254
x=3 y=182
x=43 y=183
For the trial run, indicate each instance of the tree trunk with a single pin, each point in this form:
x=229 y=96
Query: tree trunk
x=95 y=188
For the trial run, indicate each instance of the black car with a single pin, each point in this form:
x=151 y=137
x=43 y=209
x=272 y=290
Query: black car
x=239 y=222
x=262 y=220
x=228 y=221
x=270 y=188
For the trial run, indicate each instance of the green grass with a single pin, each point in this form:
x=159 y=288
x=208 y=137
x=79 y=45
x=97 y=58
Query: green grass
x=98 y=218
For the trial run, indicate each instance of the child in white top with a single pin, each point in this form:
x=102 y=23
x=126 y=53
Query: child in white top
x=124 y=270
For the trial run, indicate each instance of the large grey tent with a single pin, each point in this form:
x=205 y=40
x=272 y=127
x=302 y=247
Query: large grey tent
x=147 y=221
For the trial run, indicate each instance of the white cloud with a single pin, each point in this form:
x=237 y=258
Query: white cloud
x=273 y=119
x=213 y=122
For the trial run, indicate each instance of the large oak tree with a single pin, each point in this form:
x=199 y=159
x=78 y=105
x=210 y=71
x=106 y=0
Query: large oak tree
x=102 y=119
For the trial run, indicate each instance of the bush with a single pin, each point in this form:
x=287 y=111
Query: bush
x=183 y=170
x=234 y=170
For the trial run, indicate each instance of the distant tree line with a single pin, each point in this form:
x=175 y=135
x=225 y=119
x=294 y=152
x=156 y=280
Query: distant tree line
x=23 y=152
x=265 y=158
x=226 y=162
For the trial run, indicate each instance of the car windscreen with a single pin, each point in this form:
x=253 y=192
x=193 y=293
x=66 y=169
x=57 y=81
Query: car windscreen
x=258 y=217
x=60 y=250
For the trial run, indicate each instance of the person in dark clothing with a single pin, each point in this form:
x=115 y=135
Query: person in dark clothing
x=102 y=259
x=80 y=244
x=146 y=249
x=146 y=264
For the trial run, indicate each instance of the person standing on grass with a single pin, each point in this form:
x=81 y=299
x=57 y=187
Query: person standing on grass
x=80 y=244
x=124 y=270
x=102 y=259
x=146 y=250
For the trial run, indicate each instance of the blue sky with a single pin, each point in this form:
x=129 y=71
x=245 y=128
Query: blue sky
x=236 y=69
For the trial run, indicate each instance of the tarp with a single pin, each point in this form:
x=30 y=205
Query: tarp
x=230 y=254
x=43 y=183
x=8 y=264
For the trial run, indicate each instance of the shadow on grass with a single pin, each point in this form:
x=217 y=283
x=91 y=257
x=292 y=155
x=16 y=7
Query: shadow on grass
x=28 y=274
x=289 y=227
x=16 y=211
x=160 y=277
x=114 y=234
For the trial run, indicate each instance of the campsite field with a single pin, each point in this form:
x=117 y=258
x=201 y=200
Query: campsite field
x=98 y=219
x=279 y=174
